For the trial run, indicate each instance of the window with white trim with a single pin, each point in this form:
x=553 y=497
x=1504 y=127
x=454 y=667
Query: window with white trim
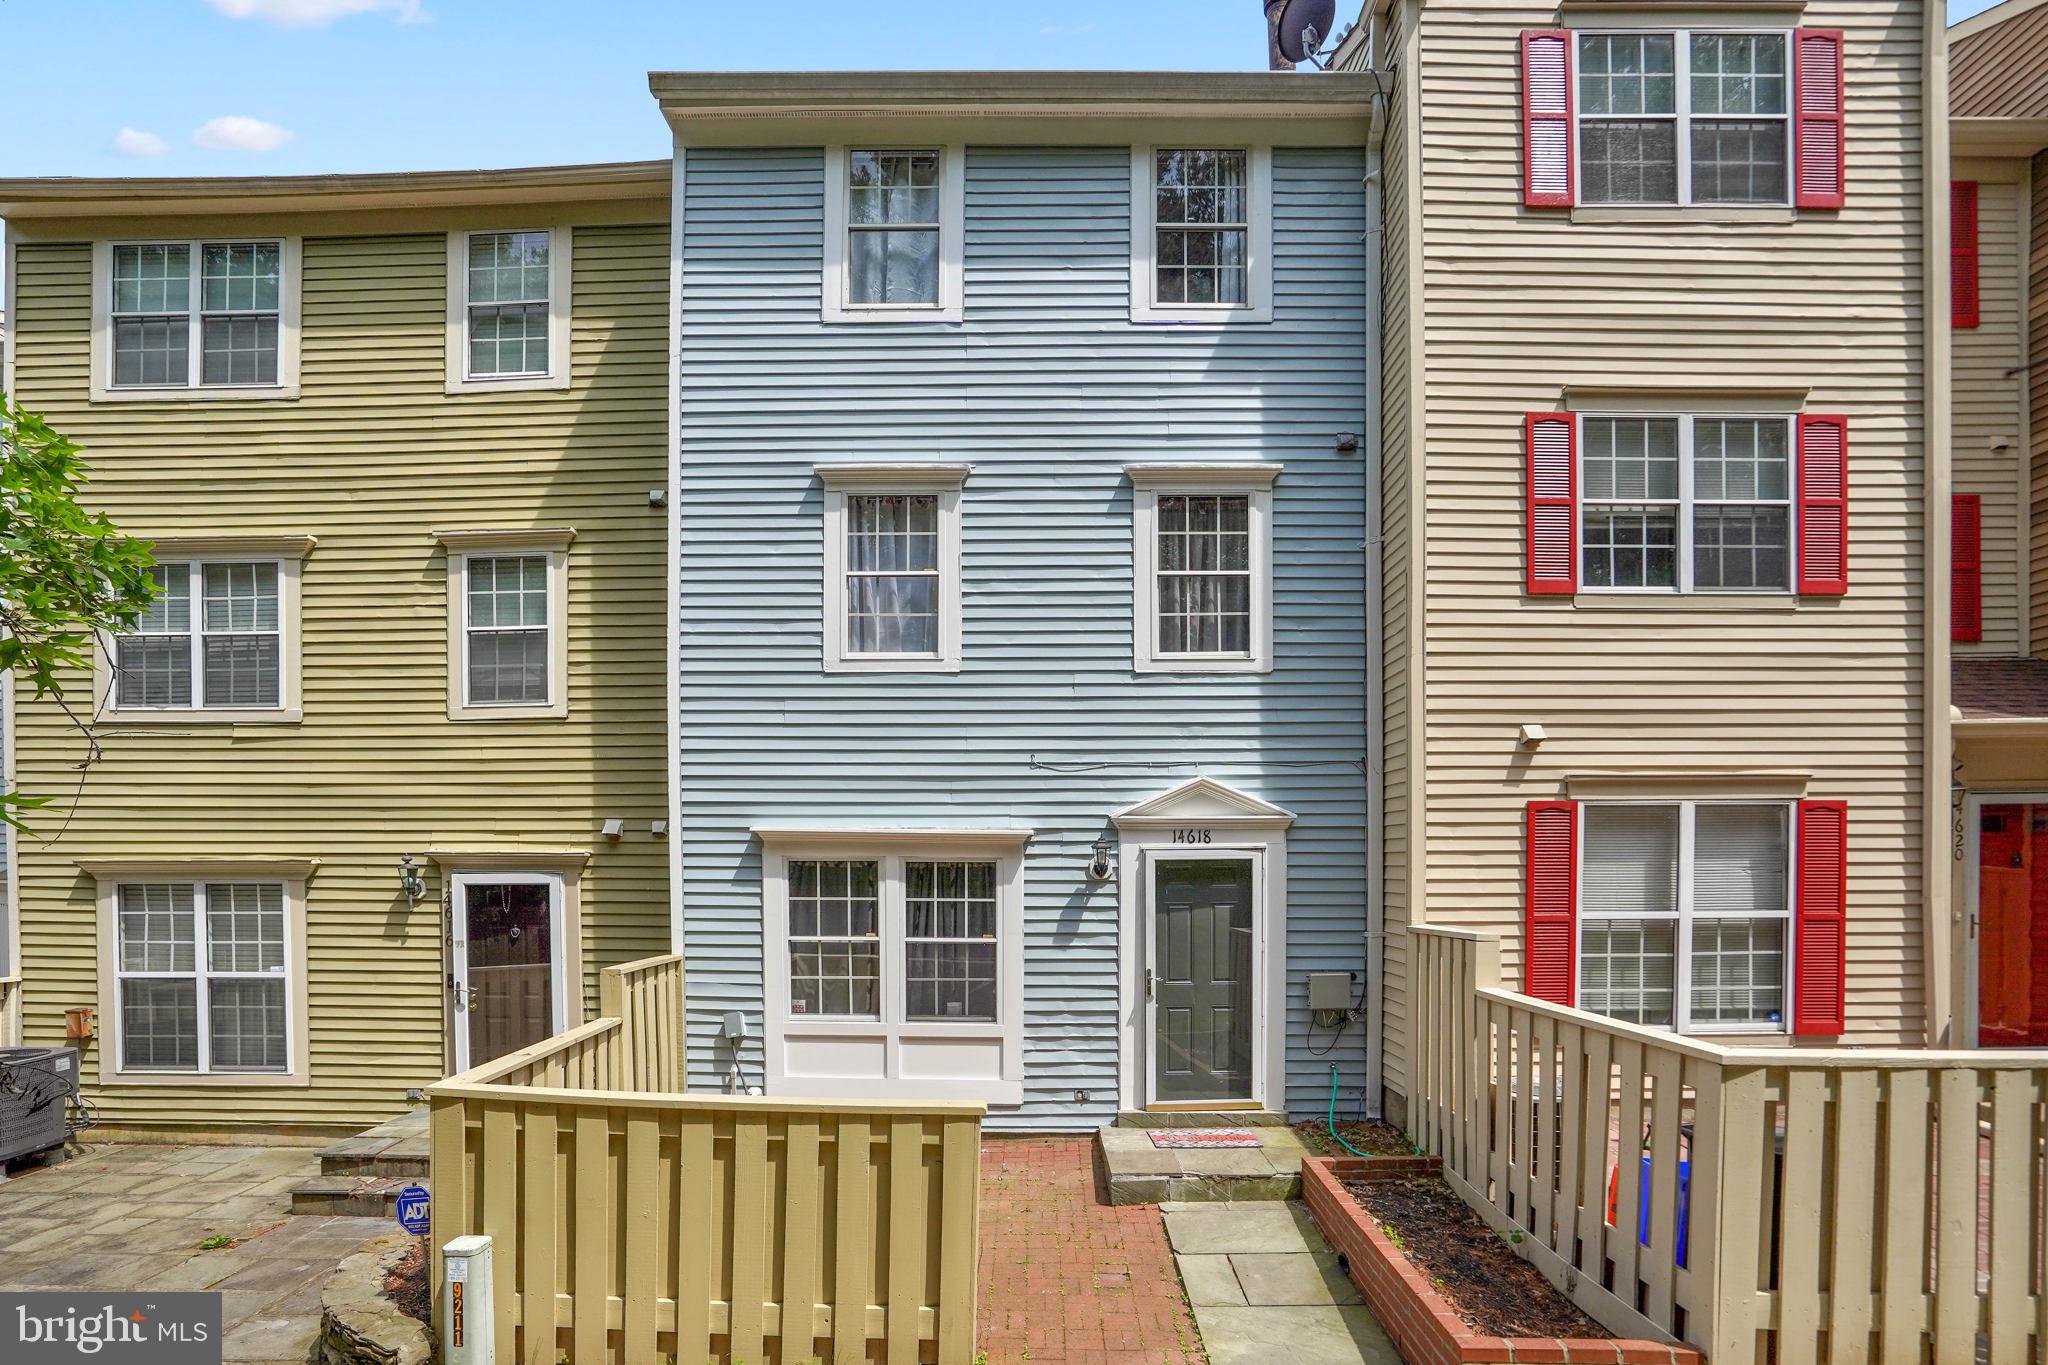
x=202 y=969
x=213 y=639
x=196 y=315
x=508 y=599
x=1684 y=117
x=1681 y=502
x=942 y=913
x=1204 y=589
x=893 y=229
x=1201 y=234
x=508 y=314
x=1685 y=913
x=892 y=567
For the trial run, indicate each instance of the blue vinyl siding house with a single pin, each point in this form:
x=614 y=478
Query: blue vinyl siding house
x=1020 y=496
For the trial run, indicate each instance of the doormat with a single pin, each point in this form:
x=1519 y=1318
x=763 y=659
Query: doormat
x=1204 y=1137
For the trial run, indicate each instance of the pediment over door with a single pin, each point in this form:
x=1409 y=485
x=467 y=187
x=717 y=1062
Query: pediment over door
x=1204 y=801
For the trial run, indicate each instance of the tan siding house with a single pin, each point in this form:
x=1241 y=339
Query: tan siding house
x=414 y=608
x=1683 y=726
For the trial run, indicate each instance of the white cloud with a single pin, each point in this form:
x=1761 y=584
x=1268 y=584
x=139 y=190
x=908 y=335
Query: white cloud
x=317 y=13
x=1066 y=30
x=135 y=142
x=233 y=133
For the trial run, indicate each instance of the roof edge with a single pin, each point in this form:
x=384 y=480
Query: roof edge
x=1990 y=18
x=860 y=91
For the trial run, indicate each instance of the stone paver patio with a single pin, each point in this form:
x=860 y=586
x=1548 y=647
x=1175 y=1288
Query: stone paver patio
x=132 y=1215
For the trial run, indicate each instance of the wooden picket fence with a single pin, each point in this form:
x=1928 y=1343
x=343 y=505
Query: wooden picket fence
x=1785 y=1204
x=633 y=1223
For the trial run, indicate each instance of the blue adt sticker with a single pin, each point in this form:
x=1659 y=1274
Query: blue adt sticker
x=412 y=1209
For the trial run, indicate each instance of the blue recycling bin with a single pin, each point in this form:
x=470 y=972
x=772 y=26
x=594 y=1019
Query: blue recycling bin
x=1684 y=1205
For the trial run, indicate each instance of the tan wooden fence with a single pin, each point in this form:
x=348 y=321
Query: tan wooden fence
x=631 y=1223
x=1838 y=1205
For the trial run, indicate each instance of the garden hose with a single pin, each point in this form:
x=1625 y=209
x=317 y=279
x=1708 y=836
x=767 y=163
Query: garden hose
x=1334 y=1134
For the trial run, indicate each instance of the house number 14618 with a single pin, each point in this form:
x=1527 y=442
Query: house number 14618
x=1193 y=836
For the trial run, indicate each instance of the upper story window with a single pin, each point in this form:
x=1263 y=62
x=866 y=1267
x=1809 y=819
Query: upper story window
x=1204 y=569
x=892 y=567
x=508 y=309
x=1201 y=234
x=893 y=225
x=1687 y=503
x=507 y=642
x=1685 y=913
x=219 y=642
x=1684 y=118
x=215 y=319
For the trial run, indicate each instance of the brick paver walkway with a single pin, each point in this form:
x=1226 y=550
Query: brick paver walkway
x=1065 y=1278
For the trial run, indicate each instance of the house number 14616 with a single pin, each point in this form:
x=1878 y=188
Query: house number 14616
x=1193 y=836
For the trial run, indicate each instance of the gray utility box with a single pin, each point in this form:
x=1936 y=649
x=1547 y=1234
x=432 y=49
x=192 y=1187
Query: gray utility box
x=1329 y=991
x=34 y=1083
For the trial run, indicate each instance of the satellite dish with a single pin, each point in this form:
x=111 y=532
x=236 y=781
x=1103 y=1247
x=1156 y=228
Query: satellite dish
x=1302 y=27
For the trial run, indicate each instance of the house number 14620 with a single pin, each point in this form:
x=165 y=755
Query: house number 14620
x=1193 y=836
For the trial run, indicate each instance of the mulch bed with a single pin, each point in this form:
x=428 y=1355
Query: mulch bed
x=1492 y=1288
x=406 y=1283
x=1377 y=1139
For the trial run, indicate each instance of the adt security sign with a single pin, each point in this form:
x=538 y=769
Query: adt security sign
x=412 y=1209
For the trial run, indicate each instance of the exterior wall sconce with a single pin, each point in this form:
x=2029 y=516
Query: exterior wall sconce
x=410 y=881
x=1099 y=869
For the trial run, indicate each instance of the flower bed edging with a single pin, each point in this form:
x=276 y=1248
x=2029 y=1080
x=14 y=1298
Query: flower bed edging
x=1425 y=1328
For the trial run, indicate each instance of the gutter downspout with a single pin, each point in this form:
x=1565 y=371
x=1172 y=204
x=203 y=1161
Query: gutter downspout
x=674 y=606
x=1939 y=924
x=1376 y=673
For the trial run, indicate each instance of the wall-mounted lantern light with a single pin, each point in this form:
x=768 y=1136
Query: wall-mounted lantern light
x=1099 y=869
x=410 y=881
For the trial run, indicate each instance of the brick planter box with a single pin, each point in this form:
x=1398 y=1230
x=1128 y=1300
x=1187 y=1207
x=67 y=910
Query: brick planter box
x=1425 y=1328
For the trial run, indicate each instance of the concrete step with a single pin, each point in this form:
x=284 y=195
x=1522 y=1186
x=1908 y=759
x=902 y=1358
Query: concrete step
x=1203 y=1118
x=350 y=1196
x=1139 y=1173
x=396 y=1148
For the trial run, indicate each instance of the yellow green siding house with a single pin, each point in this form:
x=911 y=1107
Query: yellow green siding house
x=399 y=441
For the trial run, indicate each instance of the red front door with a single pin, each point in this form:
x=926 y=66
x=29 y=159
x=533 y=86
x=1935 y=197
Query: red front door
x=2012 y=926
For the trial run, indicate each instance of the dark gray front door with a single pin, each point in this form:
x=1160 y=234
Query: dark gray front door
x=1202 y=954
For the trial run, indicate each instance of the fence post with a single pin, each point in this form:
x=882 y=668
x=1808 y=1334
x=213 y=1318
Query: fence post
x=467 y=1334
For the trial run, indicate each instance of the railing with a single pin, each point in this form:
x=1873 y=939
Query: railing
x=1788 y=1204
x=628 y=1223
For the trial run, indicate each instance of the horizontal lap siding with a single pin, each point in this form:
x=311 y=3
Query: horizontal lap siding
x=1047 y=390
x=1522 y=302
x=371 y=458
x=1988 y=441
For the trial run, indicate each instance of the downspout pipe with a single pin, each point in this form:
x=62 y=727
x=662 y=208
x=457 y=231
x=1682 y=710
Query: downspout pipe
x=1375 y=680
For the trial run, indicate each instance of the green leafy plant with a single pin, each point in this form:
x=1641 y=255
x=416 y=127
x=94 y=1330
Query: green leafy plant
x=65 y=574
x=215 y=1242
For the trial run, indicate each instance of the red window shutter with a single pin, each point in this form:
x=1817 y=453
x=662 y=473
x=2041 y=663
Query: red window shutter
x=1549 y=949
x=1823 y=504
x=1966 y=567
x=1817 y=129
x=1820 y=919
x=1546 y=118
x=1552 y=441
x=1962 y=253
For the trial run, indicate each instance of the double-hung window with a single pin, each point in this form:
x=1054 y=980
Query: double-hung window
x=894 y=962
x=1684 y=117
x=508 y=309
x=1685 y=913
x=892 y=567
x=1686 y=502
x=216 y=318
x=1203 y=562
x=893 y=224
x=1201 y=234
x=202 y=970
x=213 y=639
x=507 y=598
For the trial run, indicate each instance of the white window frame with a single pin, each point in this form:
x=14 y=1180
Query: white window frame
x=1681 y=39
x=1682 y=917
x=1145 y=304
x=110 y=876
x=102 y=389
x=942 y=481
x=1684 y=503
x=288 y=554
x=561 y=244
x=463 y=546
x=892 y=849
x=836 y=281
x=1149 y=483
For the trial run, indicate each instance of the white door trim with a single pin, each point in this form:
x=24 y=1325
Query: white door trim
x=558 y=962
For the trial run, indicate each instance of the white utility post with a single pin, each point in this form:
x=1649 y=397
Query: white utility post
x=466 y=1303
